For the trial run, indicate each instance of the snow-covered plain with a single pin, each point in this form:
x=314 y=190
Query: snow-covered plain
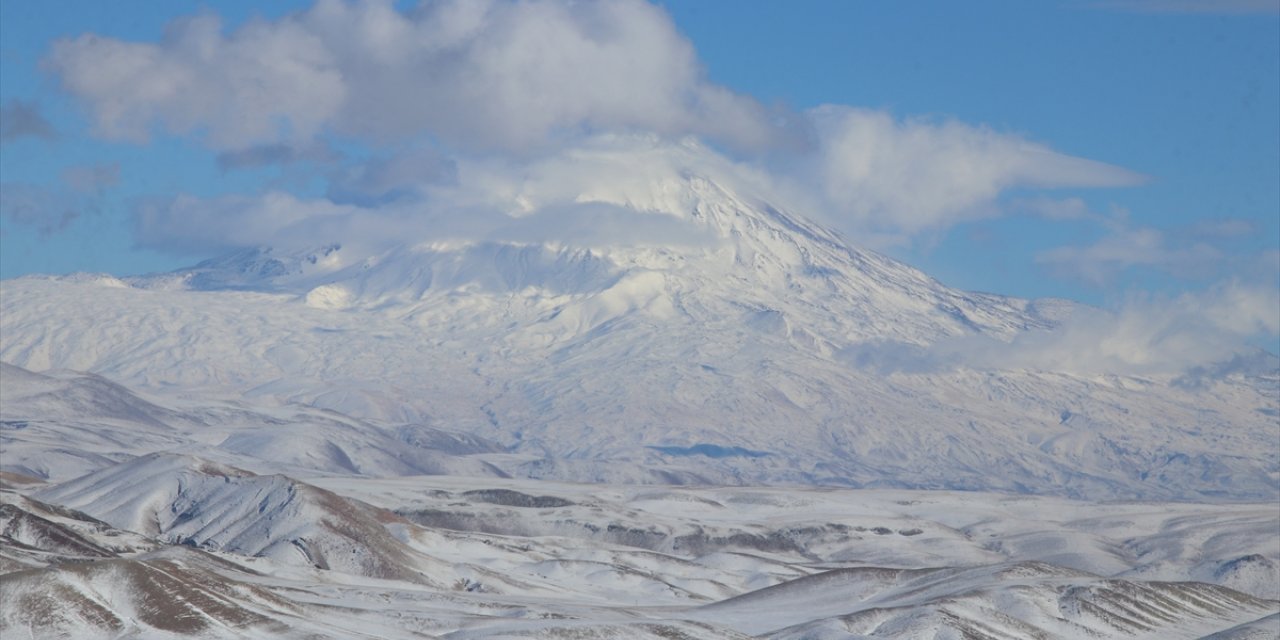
x=760 y=431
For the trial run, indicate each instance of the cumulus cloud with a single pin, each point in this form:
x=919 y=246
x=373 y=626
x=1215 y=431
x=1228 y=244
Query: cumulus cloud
x=476 y=74
x=494 y=107
x=265 y=83
x=607 y=191
x=20 y=119
x=916 y=175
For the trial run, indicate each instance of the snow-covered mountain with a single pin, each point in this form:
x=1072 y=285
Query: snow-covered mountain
x=713 y=337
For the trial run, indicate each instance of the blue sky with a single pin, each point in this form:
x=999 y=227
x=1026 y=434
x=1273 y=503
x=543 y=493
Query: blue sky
x=1161 y=120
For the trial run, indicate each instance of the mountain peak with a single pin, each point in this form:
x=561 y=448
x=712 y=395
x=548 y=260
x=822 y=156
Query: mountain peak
x=632 y=226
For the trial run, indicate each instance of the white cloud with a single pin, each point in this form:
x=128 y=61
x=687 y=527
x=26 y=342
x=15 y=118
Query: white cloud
x=387 y=178
x=1204 y=251
x=1149 y=334
x=917 y=175
x=609 y=190
x=477 y=74
x=266 y=82
x=1100 y=262
x=286 y=222
x=189 y=224
x=1200 y=250
x=471 y=197
x=1145 y=335
x=504 y=86
x=643 y=172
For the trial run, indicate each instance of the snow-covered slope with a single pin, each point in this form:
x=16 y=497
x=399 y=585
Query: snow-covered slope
x=537 y=559
x=61 y=425
x=168 y=595
x=192 y=501
x=1026 y=600
x=36 y=534
x=1182 y=542
x=64 y=423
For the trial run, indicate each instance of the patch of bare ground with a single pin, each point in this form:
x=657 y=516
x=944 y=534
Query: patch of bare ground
x=173 y=591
